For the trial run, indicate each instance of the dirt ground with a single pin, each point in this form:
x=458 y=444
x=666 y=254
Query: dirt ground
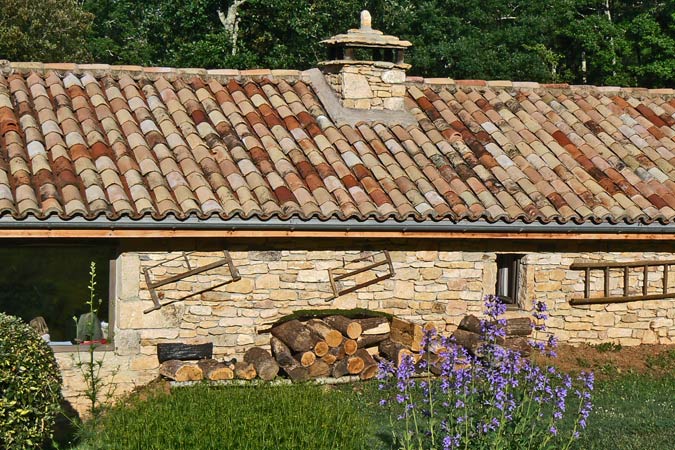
x=608 y=360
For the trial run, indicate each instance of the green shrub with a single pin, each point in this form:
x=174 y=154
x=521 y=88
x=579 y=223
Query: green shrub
x=30 y=386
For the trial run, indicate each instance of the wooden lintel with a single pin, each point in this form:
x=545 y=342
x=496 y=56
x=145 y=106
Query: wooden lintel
x=243 y=234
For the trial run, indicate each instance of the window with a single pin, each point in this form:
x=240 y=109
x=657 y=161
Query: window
x=508 y=272
x=52 y=282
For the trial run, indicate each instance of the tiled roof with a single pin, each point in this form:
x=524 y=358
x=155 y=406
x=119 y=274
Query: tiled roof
x=137 y=142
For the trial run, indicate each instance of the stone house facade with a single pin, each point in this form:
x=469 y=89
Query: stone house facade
x=556 y=193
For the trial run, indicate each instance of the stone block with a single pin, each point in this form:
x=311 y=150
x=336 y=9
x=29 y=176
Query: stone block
x=127 y=342
x=267 y=281
x=393 y=76
x=128 y=268
x=355 y=86
x=200 y=310
x=144 y=363
x=243 y=286
x=394 y=103
x=431 y=273
x=283 y=295
x=604 y=319
x=619 y=333
x=404 y=289
x=130 y=315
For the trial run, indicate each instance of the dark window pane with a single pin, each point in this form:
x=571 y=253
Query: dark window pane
x=508 y=266
x=52 y=282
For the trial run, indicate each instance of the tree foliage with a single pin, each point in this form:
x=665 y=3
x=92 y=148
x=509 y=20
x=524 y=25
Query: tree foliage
x=625 y=42
x=44 y=30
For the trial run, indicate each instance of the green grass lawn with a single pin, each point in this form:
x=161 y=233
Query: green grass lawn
x=630 y=412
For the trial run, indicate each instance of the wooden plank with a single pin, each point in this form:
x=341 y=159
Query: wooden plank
x=582 y=265
x=587 y=283
x=606 y=271
x=100 y=233
x=625 y=281
x=665 y=278
x=645 y=280
x=635 y=298
x=184 y=352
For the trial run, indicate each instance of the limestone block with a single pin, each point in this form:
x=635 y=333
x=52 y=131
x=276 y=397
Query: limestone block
x=355 y=86
x=661 y=322
x=404 y=289
x=159 y=334
x=578 y=326
x=243 y=286
x=431 y=273
x=236 y=321
x=394 y=103
x=127 y=342
x=200 y=310
x=407 y=273
x=604 y=319
x=130 y=315
x=348 y=301
x=144 y=363
x=128 y=268
x=619 y=333
x=629 y=318
x=393 y=76
x=362 y=103
x=312 y=276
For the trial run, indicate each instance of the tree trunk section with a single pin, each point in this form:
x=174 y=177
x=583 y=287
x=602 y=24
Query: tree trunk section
x=348 y=327
x=321 y=348
x=374 y=325
x=469 y=340
x=332 y=336
x=319 y=369
x=394 y=351
x=370 y=367
x=348 y=366
x=350 y=346
x=470 y=323
x=214 y=370
x=306 y=358
x=520 y=326
x=407 y=333
x=371 y=340
x=177 y=370
x=265 y=365
x=296 y=336
x=290 y=365
x=244 y=370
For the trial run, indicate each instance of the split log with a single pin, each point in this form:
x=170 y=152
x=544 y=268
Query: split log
x=344 y=325
x=334 y=354
x=332 y=336
x=184 y=352
x=214 y=370
x=306 y=358
x=350 y=346
x=373 y=351
x=265 y=365
x=520 y=344
x=374 y=325
x=291 y=366
x=177 y=370
x=371 y=340
x=296 y=336
x=470 y=323
x=407 y=333
x=244 y=370
x=370 y=367
x=319 y=369
x=469 y=340
x=394 y=351
x=321 y=348
x=348 y=366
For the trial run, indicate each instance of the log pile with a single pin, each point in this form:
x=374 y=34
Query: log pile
x=337 y=346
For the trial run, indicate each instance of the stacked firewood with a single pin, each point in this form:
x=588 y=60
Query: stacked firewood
x=516 y=330
x=337 y=346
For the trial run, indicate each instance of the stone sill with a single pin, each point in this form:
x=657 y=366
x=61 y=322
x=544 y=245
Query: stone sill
x=80 y=348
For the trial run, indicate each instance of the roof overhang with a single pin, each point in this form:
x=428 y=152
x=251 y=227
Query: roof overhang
x=194 y=227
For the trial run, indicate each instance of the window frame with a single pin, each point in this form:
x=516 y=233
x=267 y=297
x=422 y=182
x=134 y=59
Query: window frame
x=508 y=282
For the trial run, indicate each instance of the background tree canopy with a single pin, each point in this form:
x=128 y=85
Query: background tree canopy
x=603 y=42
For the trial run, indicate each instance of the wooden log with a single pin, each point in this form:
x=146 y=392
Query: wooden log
x=265 y=365
x=352 y=365
x=184 y=352
x=335 y=354
x=319 y=369
x=214 y=370
x=394 y=351
x=244 y=370
x=344 y=325
x=177 y=370
x=517 y=326
x=306 y=358
x=469 y=340
x=374 y=325
x=370 y=367
x=296 y=336
x=350 y=346
x=470 y=323
x=519 y=343
x=329 y=334
x=290 y=365
x=329 y=359
x=321 y=348
x=406 y=333
x=371 y=340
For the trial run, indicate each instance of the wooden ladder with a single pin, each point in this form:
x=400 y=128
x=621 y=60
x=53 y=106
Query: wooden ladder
x=645 y=265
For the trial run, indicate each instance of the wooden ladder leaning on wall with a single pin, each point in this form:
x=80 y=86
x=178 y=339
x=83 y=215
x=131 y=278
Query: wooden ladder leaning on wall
x=587 y=267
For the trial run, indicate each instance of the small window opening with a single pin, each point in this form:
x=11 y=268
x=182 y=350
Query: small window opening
x=508 y=272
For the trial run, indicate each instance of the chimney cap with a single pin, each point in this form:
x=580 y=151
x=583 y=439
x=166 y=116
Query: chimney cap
x=366 y=36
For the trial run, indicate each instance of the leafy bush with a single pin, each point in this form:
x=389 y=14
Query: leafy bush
x=494 y=400
x=30 y=386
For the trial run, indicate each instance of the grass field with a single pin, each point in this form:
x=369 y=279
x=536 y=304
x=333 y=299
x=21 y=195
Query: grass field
x=631 y=412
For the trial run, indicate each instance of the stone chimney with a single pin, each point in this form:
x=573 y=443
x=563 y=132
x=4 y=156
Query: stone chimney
x=366 y=68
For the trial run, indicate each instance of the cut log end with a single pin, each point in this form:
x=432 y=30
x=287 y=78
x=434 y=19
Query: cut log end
x=244 y=371
x=177 y=370
x=321 y=348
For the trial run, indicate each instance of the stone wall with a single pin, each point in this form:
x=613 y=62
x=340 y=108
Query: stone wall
x=379 y=85
x=438 y=284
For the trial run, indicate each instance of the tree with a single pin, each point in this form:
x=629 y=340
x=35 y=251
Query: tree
x=44 y=30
